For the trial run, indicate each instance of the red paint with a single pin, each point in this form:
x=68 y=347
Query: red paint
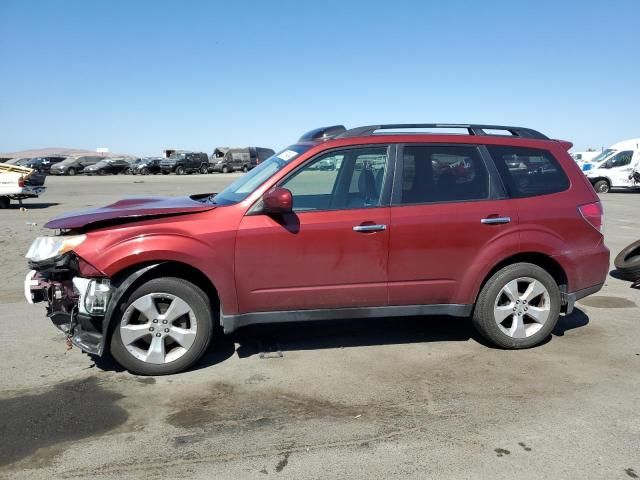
x=437 y=253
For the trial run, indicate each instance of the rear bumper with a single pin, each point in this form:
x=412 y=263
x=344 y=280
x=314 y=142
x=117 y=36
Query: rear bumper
x=569 y=299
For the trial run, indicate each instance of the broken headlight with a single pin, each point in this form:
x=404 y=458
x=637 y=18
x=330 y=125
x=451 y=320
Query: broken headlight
x=44 y=248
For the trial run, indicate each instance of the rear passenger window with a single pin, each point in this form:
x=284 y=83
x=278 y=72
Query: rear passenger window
x=437 y=173
x=528 y=172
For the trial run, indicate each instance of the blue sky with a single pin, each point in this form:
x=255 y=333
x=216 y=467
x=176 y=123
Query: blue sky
x=141 y=76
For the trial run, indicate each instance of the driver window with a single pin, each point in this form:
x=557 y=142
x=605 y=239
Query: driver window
x=339 y=180
x=621 y=159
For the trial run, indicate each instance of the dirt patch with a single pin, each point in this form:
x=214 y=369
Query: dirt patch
x=602 y=301
x=224 y=405
x=70 y=411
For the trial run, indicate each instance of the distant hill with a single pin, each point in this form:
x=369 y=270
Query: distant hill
x=63 y=152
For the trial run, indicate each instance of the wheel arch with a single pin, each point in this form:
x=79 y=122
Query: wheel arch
x=542 y=260
x=130 y=278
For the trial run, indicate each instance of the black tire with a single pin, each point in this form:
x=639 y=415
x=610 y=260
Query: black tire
x=128 y=171
x=627 y=262
x=225 y=169
x=71 y=172
x=101 y=172
x=144 y=171
x=179 y=170
x=245 y=169
x=602 y=186
x=483 y=315
x=197 y=301
x=4 y=202
x=165 y=172
x=204 y=169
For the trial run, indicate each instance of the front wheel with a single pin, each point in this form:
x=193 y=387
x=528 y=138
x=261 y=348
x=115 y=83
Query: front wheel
x=518 y=307
x=601 y=186
x=179 y=170
x=71 y=172
x=245 y=169
x=225 y=169
x=204 y=169
x=166 y=327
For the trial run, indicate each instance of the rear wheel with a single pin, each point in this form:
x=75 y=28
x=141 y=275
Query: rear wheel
x=245 y=169
x=518 y=307
x=225 y=169
x=602 y=186
x=204 y=169
x=165 y=327
x=144 y=171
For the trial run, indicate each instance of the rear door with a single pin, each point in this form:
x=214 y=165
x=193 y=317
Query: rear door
x=448 y=212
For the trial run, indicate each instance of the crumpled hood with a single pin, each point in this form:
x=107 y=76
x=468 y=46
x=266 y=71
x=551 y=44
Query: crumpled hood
x=130 y=209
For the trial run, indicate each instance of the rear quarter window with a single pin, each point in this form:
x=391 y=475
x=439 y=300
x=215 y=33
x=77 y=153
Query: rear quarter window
x=528 y=172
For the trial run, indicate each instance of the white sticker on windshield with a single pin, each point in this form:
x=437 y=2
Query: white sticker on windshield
x=287 y=155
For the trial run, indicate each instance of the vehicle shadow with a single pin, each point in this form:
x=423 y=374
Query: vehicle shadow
x=265 y=339
x=31 y=206
x=271 y=340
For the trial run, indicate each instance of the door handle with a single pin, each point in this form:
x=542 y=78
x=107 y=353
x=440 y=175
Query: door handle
x=495 y=220
x=369 y=228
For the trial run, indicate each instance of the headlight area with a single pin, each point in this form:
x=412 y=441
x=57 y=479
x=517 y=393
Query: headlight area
x=76 y=295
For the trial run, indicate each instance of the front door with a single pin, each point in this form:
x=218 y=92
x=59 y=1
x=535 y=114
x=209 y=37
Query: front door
x=445 y=216
x=331 y=252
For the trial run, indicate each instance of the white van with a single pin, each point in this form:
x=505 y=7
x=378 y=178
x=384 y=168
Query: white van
x=614 y=167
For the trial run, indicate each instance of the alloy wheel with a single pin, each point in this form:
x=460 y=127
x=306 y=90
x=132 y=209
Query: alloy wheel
x=522 y=307
x=158 y=328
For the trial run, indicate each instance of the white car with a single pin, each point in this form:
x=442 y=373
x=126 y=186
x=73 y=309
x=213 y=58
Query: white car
x=18 y=183
x=614 y=167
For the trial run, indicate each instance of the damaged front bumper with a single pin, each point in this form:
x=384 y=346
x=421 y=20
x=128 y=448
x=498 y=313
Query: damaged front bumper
x=75 y=304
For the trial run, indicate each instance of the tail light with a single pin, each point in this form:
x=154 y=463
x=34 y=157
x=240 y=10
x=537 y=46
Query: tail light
x=21 y=182
x=593 y=214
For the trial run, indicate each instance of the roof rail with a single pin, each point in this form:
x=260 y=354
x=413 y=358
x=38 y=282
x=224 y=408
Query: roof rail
x=323 y=133
x=473 y=129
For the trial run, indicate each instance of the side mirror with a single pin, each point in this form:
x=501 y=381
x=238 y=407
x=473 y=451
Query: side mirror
x=278 y=200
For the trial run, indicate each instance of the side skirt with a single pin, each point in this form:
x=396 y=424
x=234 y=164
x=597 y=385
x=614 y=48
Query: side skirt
x=231 y=323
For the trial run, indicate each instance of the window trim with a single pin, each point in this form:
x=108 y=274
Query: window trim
x=385 y=193
x=496 y=190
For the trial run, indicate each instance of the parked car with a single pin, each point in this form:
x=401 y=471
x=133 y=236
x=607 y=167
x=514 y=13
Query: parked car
x=17 y=161
x=146 y=166
x=227 y=160
x=185 y=162
x=42 y=164
x=74 y=165
x=398 y=229
x=613 y=168
x=18 y=182
x=112 y=166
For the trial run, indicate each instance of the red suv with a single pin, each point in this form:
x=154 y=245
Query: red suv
x=497 y=223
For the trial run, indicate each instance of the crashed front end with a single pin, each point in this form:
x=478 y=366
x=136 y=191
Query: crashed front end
x=76 y=293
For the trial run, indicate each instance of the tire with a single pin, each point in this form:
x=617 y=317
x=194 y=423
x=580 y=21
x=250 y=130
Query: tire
x=4 y=202
x=245 y=169
x=494 y=302
x=627 y=262
x=226 y=169
x=204 y=169
x=179 y=170
x=602 y=186
x=101 y=172
x=71 y=172
x=130 y=354
x=164 y=172
x=144 y=171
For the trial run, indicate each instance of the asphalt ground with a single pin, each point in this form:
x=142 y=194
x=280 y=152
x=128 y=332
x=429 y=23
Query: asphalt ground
x=389 y=398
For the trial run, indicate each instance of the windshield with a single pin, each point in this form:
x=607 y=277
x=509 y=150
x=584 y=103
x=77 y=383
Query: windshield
x=247 y=183
x=603 y=155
